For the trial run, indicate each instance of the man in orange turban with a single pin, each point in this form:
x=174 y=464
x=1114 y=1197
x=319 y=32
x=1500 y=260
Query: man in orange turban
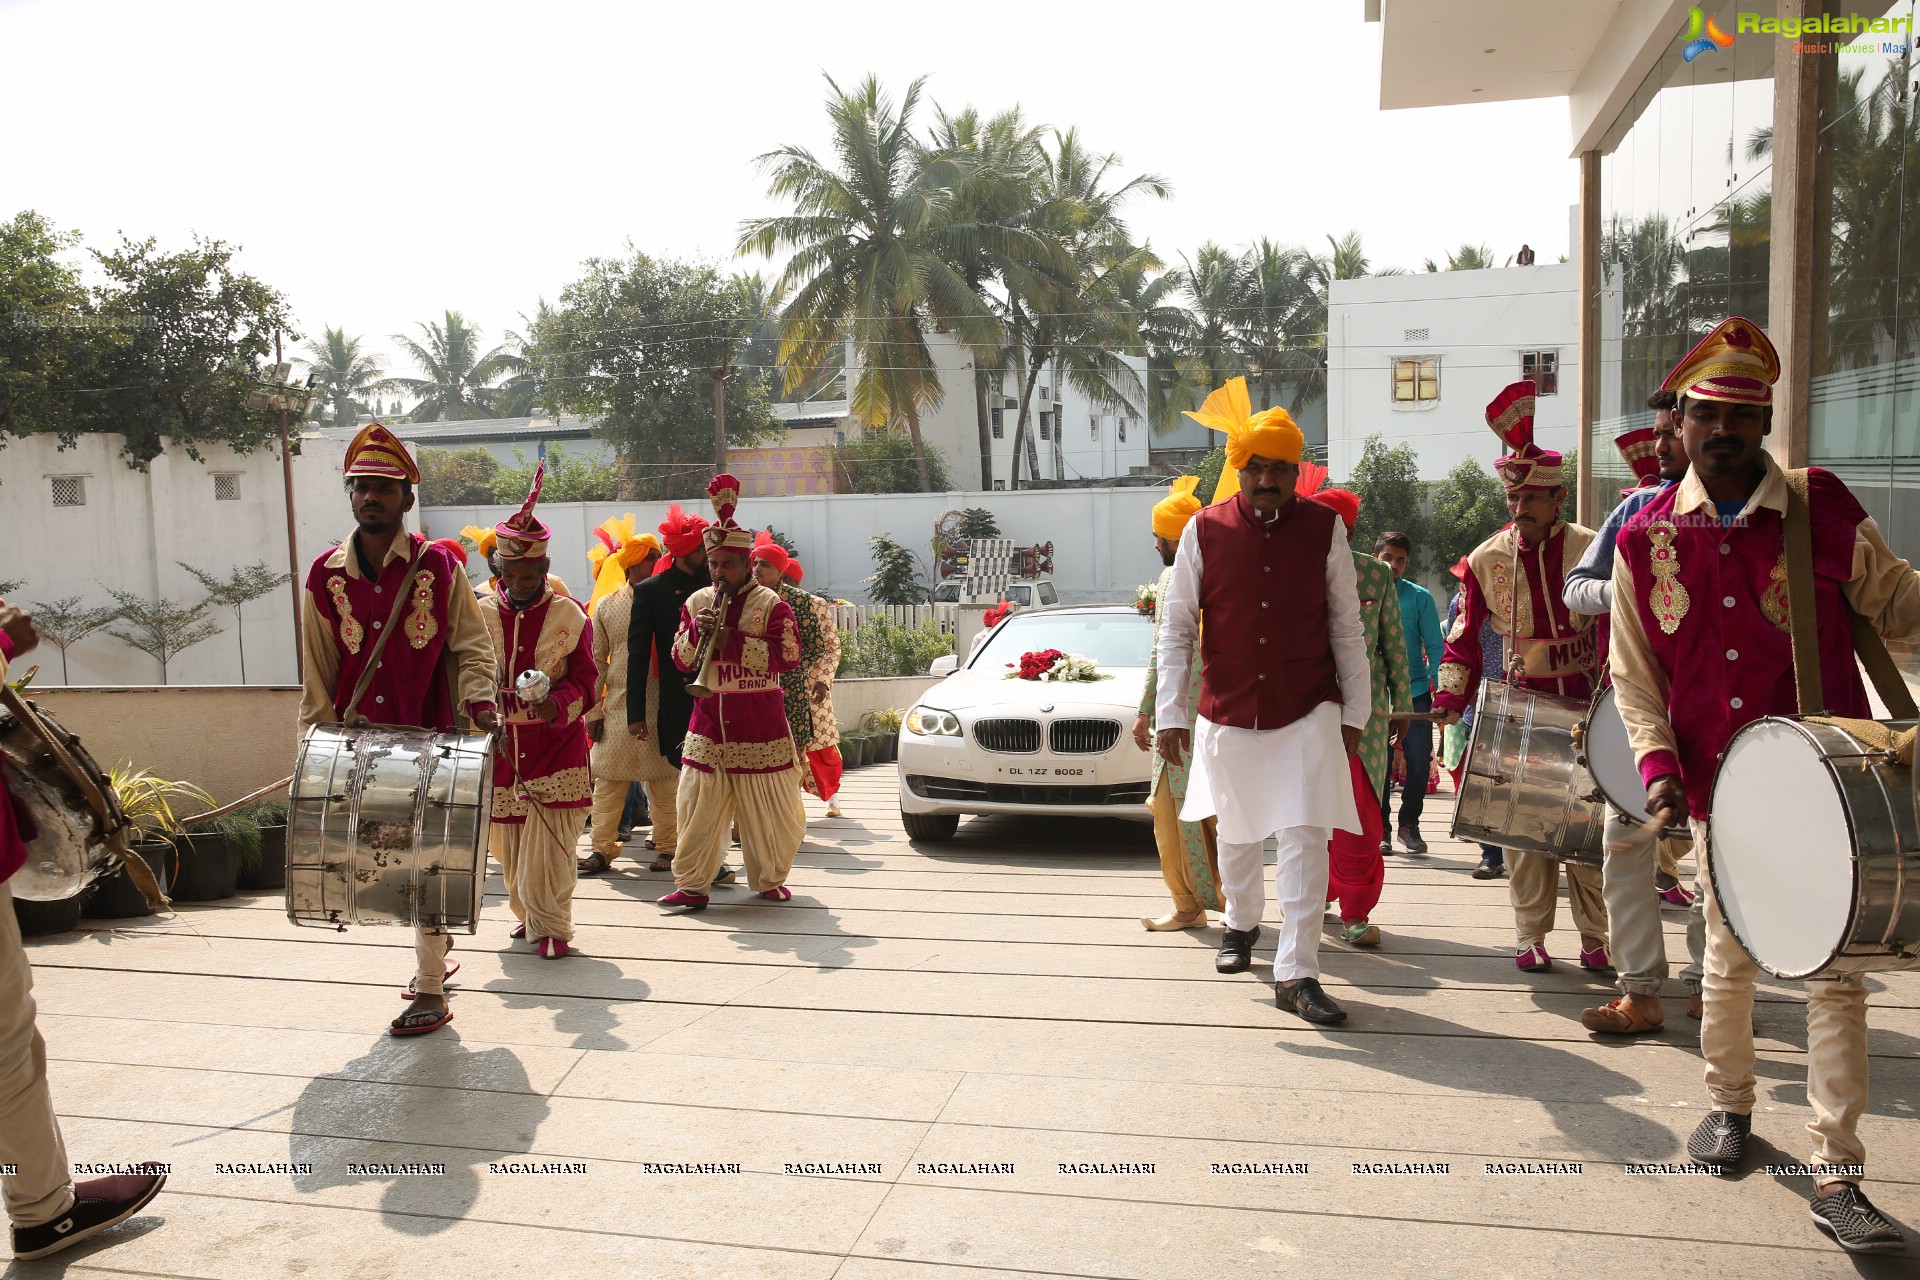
x=1189 y=856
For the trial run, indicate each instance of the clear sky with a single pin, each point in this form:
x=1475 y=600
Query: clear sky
x=382 y=162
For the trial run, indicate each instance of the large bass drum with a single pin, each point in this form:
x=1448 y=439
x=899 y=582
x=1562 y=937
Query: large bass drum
x=389 y=826
x=66 y=808
x=1523 y=786
x=1813 y=850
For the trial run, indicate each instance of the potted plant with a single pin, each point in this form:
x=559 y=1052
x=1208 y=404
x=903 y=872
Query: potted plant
x=240 y=832
x=57 y=916
x=268 y=867
x=885 y=727
x=158 y=834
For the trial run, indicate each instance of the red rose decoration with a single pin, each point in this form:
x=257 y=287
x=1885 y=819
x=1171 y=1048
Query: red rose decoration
x=1035 y=665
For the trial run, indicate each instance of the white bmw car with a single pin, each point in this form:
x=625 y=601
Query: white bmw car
x=978 y=742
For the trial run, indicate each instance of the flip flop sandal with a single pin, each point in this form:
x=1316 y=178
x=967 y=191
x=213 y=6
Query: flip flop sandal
x=649 y=844
x=411 y=994
x=1611 y=1019
x=593 y=864
x=401 y=1027
x=662 y=863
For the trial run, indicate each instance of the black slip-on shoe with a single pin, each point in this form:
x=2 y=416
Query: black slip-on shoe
x=1306 y=998
x=1236 y=950
x=1720 y=1141
x=1854 y=1223
x=98 y=1203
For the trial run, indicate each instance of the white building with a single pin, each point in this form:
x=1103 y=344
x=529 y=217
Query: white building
x=509 y=440
x=1073 y=438
x=1415 y=358
x=81 y=520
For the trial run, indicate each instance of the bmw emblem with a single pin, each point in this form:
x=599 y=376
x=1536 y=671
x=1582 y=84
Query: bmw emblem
x=1046 y=708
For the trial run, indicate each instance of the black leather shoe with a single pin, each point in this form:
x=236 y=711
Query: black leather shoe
x=1307 y=999
x=1488 y=869
x=1720 y=1141
x=1236 y=950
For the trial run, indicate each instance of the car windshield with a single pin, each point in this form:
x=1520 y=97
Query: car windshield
x=1110 y=639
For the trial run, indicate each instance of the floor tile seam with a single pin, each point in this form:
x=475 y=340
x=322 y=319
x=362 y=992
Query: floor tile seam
x=786 y=970
x=562 y=1232
x=1824 y=1249
x=894 y=1183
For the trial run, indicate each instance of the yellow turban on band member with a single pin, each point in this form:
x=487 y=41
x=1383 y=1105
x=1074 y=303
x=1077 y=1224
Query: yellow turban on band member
x=1171 y=513
x=1270 y=433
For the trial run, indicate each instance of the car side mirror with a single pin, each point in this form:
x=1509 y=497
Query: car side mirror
x=944 y=665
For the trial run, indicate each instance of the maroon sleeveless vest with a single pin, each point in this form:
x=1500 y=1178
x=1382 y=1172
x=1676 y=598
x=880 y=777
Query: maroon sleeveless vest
x=1263 y=611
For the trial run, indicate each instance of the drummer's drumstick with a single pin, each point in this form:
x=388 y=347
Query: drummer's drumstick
x=1645 y=833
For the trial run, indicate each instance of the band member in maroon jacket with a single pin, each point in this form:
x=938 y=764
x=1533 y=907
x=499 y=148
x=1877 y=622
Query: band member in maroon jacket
x=48 y=1209
x=542 y=785
x=350 y=595
x=1265 y=586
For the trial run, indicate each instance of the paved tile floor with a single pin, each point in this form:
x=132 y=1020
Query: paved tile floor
x=907 y=1073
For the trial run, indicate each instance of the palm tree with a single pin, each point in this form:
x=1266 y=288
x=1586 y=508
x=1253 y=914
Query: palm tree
x=458 y=381
x=345 y=376
x=525 y=359
x=985 y=233
x=864 y=266
x=1279 y=316
x=1081 y=323
x=1215 y=287
x=1468 y=257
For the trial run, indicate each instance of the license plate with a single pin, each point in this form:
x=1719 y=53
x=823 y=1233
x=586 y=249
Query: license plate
x=1046 y=772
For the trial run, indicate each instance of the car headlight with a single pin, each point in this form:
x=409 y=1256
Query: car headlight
x=931 y=723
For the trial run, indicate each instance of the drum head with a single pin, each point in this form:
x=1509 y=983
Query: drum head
x=1610 y=758
x=1782 y=849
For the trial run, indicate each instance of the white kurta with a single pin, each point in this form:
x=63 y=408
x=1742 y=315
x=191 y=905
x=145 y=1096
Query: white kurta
x=1259 y=781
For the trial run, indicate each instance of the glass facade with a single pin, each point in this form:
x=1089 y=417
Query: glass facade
x=1864 y=422
x=1686 y=239
x=1685 y=223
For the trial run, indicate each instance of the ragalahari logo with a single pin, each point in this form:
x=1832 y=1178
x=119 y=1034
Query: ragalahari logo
x=1703 y=35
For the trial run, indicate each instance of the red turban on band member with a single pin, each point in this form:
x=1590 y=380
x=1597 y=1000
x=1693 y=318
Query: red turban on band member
x=1344 y=501
x=795 y=571
x=767 y=551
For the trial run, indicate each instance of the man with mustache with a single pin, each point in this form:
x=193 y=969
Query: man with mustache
x=1264 y=584
x=1700 y=581
x=658 y=704
x=1517 y=581
x=1633 y=887
x=350 y=594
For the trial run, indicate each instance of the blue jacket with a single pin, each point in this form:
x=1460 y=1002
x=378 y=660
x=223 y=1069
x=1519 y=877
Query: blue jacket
x=1420 y=620
x=1589 y=587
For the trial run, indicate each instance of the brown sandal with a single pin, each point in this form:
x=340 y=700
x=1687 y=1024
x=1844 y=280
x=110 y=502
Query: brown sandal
x=1612 y=1019
x=661 y=862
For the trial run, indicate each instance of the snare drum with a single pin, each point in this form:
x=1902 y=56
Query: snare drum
x=389 y=826
x=1813 y=850
x=1608 y=756
x=1523 y=786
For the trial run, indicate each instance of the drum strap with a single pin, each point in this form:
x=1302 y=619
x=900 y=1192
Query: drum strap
x=380 y=642
x=1867 y=644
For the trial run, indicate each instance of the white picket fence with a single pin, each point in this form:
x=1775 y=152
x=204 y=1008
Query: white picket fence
x=848 y=616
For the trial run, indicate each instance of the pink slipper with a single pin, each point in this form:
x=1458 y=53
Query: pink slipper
x=551 y=948
x=1677 y=895
x=779 y=893
x=519 y=931
x=688 y=901
x=1534 y=960
x=1596 y=961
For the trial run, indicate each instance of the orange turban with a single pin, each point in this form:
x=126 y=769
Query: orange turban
x=1171 y=513
x=1270 y=433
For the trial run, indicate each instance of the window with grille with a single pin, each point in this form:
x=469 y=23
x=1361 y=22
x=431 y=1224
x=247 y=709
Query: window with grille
x=999 y=427
x=69 y=491
x=226 y=486
x=1544 y=368
x=1046 y=426
x=1415 y=335
x=1046 y=393
x=1093 y=428
x=1416 y=381
x=1123 y=430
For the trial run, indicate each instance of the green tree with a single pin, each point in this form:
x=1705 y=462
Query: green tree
x=458 y=477
x=44 y=309
x=457 y=378
x=569 y=479
x=178 y=339
x=1468 y=507
x=632 y=344
x=234 y=592
x=65 y=622
x=978 y=522
x=529 y=363
x=884 y=462
x=161 y=628
x=896 y=575
x=1468 y=257
x=863 y=264
x=1391 y=493
x=345 y=375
